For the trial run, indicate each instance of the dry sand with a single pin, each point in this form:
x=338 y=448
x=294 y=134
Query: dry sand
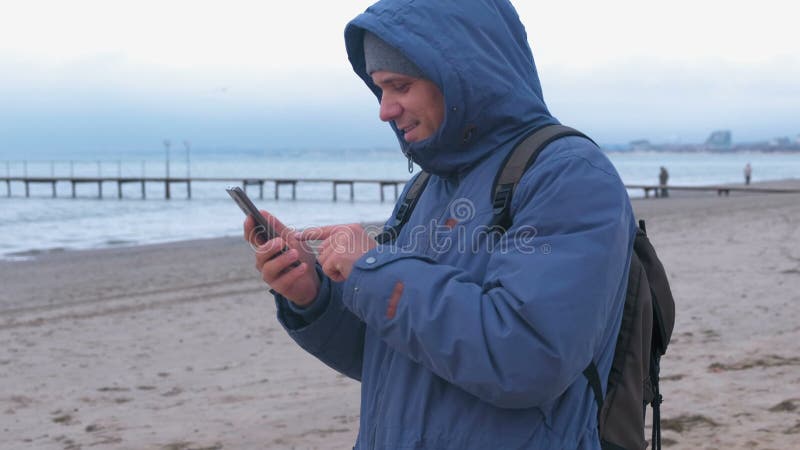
x=176 y=346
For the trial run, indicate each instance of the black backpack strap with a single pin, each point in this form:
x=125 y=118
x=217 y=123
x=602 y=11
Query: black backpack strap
x=405 y=209
x=655 y=368
x=593 y=377
x=515 y=165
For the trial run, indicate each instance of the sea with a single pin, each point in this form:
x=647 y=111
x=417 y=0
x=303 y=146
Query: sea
x=30 y=226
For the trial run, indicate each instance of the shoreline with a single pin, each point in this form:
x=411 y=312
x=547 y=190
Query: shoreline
x=37 y=254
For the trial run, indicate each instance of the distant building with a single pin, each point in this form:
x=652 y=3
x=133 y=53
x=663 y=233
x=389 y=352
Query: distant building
x=719 y=140
x=780 y=142
x=640 y=144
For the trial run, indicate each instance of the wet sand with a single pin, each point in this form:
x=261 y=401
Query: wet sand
x=175 y=346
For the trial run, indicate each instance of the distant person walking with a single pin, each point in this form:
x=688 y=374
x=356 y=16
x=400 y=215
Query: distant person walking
x=663 y=177
x=748 y=171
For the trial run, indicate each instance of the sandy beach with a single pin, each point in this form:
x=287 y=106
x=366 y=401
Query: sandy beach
x=175 y=346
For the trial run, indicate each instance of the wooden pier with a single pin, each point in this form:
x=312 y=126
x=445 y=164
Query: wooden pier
x=719 y=189
x=27 y=181
x=293 y=182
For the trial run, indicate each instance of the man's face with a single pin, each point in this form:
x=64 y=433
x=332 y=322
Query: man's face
x=415 y=105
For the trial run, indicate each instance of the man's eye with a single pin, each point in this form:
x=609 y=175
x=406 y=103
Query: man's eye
x=402 y=88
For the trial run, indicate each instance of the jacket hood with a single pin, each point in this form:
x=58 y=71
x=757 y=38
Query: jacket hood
x=477 y=52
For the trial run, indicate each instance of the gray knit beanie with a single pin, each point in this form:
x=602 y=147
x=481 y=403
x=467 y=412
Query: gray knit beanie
x=379 y=55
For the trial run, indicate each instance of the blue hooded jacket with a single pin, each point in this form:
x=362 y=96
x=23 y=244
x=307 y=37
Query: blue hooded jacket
x=485 y=346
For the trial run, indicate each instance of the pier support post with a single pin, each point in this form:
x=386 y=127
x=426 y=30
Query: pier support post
x=8 y=188
x=278 y=183
x=27 y=188
x=99 y=189
x=337 y=183
x=189 y=189
x=167 y=193
x=383 y=184
x=144 y=195
x=54 y=189
x=119 y=189
x=73 y=188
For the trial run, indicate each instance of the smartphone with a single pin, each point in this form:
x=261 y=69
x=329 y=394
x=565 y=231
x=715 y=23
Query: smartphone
x=264 y=231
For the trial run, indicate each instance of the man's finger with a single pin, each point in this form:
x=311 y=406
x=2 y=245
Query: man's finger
x=322 y=257
x=273 y=268
x=267 y=251
x=285 y=280
x=316 y=233
x=252 y=229
x=320 y=233
x=276 y=224
x=332 y=270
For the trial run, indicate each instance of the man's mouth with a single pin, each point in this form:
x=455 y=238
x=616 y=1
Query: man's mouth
x=408 y=128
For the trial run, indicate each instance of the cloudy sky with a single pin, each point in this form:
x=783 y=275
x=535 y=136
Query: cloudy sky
x=123 y=75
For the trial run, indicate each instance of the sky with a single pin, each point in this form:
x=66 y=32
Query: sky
x=124 y=75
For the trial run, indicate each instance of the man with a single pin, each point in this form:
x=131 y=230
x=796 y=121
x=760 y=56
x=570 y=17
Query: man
x=663 y=178
x=748 y=171
x=462 y=338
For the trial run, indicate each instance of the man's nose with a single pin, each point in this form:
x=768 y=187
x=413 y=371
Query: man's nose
x=390 y=109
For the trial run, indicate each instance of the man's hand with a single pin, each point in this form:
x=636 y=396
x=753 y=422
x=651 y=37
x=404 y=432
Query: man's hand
x=299 y=284
x=341 y=246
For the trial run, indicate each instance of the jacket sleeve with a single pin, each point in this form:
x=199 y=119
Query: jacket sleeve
x=326 y=329
x=520 y=336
